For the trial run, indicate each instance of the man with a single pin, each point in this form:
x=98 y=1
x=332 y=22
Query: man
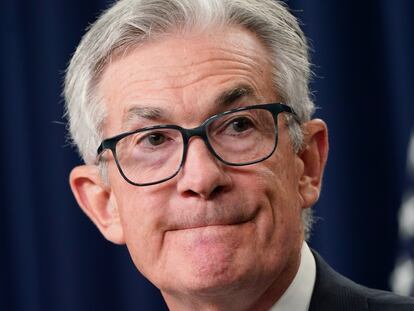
x=194 y=121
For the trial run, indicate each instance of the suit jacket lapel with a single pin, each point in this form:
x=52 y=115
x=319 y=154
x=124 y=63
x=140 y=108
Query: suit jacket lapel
x=333 y=292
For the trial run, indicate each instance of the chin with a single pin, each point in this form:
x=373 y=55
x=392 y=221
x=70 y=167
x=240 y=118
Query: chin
x=214 y=283
x=214 y=274
x=210 y=260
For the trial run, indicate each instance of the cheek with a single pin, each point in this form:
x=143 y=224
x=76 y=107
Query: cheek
x=143 y=221
x=276 y=184
x=282 y=176
x=278 y=224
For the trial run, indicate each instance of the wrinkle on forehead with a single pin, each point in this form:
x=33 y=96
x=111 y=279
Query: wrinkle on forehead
x=172 y=76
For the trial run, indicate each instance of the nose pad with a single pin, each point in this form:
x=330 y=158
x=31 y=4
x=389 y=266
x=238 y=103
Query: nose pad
x=202 y=173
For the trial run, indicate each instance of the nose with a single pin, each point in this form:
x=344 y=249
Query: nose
x=202 y=174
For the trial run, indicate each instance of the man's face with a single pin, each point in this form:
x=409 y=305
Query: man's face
x=212 y=228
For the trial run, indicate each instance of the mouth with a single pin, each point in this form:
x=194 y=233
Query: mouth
x=224 y=224
x=217 y=221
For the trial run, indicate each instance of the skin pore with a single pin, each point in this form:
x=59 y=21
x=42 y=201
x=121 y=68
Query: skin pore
x=214 y=237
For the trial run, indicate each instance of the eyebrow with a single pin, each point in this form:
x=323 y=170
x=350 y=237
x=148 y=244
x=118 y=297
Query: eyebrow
x=230 y=96
x=151 y=113
x=224 y=100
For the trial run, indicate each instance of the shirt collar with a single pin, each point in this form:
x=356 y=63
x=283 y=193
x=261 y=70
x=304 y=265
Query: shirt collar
x=298 y=295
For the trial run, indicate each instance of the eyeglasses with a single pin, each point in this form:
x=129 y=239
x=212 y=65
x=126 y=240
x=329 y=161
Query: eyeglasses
x=237 y=137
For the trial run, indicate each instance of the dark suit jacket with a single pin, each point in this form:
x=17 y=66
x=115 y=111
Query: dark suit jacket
x=333 y=292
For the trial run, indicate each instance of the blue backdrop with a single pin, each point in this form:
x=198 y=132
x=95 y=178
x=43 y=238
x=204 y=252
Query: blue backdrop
x=53 y=258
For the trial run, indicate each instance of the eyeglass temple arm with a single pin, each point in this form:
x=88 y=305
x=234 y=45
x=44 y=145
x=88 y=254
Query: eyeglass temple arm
x=288 y=109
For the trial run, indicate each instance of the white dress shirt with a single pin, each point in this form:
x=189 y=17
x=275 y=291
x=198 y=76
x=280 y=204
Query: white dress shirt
x=298 y=295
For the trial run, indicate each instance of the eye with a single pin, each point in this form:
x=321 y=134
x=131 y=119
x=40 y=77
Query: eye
x=241 y=124
x=156 y=139
x=153 y=139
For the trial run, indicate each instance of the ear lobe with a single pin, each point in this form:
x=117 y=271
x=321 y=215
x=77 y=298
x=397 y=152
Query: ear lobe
x=95 y=199
x=314 y=156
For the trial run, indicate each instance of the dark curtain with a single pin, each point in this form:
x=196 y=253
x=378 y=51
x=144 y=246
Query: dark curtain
x=53 y=258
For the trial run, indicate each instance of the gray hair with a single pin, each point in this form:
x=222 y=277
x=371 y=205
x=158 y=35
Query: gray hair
x=132 y=22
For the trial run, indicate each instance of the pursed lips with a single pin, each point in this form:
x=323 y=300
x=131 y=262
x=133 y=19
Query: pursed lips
x=217 y=221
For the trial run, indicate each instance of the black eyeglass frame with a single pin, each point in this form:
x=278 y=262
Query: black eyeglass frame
x=200 y=131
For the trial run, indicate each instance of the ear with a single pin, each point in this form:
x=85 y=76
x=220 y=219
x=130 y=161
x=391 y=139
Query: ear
x=95 y=199
x=313 y=155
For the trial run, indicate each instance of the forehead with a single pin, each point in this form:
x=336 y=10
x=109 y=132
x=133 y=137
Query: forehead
x=185 y=76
